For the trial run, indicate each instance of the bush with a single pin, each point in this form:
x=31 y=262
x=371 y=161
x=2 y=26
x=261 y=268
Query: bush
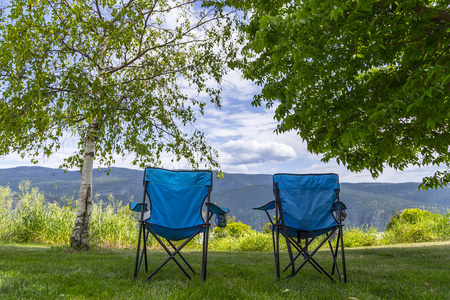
x=363 y=236
x=416 y=225
x=113 y=225
x=443 y=226
x=237 y=236
x=233 y=229
x=410 y=216
x=255 y=241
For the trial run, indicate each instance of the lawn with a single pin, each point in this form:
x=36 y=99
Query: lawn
x=413 y=271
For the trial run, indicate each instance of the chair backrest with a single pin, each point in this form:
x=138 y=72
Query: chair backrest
x=177 y=197
x=307 y=199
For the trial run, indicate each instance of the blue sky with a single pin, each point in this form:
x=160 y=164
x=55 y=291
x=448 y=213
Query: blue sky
x=245 y=138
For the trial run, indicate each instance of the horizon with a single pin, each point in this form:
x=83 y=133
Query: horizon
x=103 y=170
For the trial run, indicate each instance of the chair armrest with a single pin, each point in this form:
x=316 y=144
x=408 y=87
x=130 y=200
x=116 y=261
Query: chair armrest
x=266 y=207
x=221 y=214
x=218 y=210
x=137 y=206
x=338 y=204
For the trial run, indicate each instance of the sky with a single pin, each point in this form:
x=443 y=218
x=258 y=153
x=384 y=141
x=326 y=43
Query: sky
x=245 y=139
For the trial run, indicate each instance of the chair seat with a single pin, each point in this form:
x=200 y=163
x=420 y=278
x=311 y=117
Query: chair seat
x=300 y=233
x=175 y=234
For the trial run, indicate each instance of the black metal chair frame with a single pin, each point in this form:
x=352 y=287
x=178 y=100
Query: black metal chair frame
x=279 y=227
x=142 y=253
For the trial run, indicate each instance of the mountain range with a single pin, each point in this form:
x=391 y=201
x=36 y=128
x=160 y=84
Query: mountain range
x=367 y=203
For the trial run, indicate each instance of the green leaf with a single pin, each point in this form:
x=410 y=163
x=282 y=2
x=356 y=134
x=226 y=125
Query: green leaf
x=431 y=123
x=360 y=69
x=334 y=14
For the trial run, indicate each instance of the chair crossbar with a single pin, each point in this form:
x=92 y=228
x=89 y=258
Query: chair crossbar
x=182 y=257
x=172 y=254
x=301 y=251
x=309 y=258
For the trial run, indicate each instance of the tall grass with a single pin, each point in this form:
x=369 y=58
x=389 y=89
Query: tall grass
x=26 y=217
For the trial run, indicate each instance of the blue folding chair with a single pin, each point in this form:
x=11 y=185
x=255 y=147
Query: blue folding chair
x=171 y=209
x=307 y=207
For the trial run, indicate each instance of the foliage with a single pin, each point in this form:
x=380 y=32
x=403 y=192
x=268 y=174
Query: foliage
x=237 y=236
x=113 y=225
x=266 y=227
x=416 y=225
x=26 y=217
x=233 y=229
x=363 y=236
x=124 y=77
x=240 y=237
x=364 y=82
x=256 y=241
x=409 y=216
x=121 y=66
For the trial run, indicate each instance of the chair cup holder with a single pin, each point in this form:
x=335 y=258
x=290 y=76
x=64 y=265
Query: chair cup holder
x=221 y=220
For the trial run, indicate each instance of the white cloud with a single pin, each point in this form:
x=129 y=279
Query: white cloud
x=237 y=88
x=412 y=174
x=252 y=152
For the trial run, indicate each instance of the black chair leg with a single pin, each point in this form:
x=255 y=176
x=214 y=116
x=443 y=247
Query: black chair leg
x=205 y=253
x=276 y=251
x=137 y=265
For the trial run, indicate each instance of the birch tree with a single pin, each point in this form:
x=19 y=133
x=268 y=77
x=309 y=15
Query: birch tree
x=116 y=75
x=364 y=82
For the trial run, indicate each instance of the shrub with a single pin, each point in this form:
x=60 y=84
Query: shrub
x=410 y=216
x=113 y=225
x=223 y=244
x=363 y=236
x=442 y=227
x=255 y=241
x=416 y=225
x=237 y=236
x=233 y=229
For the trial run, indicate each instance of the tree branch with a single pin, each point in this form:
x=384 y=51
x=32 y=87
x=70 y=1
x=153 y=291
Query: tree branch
x=442 y=15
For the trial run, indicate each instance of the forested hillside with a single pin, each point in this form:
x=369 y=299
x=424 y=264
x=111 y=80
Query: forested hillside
x=368 y=203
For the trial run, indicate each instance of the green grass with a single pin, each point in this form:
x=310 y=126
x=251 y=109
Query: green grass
x=413 y=271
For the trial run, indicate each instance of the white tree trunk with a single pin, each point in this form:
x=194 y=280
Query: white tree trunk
x=80 y=235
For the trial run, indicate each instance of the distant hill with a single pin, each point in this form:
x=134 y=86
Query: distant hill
x=368 y=203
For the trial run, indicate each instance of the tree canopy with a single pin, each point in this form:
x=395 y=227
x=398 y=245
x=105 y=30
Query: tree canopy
x=121 y=63
x=124 y=77
x=366 y=82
